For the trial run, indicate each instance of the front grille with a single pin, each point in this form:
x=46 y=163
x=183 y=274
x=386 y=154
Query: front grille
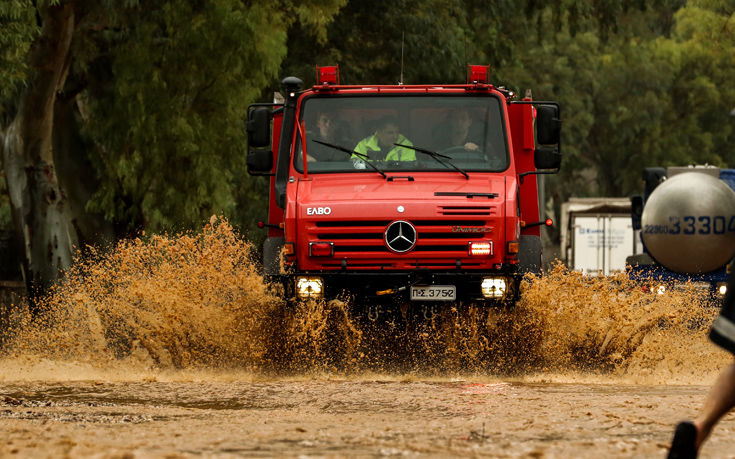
x=442 y=248
x=357 y=248
x=383 y=223
x=350 y=224
x=440 y=242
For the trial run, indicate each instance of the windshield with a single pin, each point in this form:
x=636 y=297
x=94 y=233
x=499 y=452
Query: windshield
x=400 y=133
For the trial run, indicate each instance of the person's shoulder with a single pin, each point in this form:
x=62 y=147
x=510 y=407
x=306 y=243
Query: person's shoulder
x=403 y=139
x=368 y=140
x=362 y=144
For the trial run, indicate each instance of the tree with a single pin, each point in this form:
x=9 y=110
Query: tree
x=702 y=94
x=16 y=23
x=384 y=41
x=140 y=108
x=614 y=91
x=37 y=201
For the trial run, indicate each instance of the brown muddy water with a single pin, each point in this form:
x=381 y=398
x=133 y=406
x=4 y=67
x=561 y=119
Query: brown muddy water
x=173 y=346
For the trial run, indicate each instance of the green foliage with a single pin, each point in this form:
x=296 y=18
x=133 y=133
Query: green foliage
x=17 y=30
x=168 y=91
x=702 y=93
x=369 y=40
x=639 y=97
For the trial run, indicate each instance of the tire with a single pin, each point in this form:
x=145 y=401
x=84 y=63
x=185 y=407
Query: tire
x=529 y=254
x=272 y=255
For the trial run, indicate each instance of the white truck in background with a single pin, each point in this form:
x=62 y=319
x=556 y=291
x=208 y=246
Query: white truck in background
x=597 y=235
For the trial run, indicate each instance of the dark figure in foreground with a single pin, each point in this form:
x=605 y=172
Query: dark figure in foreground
x=690 y=435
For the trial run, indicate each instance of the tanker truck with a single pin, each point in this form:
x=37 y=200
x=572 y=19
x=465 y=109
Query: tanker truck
x=686 y=219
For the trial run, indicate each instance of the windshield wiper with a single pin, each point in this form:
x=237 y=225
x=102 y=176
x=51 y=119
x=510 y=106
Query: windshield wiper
x=362 y=156
x=436 y=156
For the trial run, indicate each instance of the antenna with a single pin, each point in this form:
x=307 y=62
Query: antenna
x=402 y=36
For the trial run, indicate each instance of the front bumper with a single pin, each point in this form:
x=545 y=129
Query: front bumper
x=372 y=288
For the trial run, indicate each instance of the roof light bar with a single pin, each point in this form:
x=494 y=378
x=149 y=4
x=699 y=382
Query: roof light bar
x=328 y=74
x=478 y=74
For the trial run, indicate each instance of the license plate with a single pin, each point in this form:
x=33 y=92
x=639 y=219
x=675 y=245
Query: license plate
x=434 y=293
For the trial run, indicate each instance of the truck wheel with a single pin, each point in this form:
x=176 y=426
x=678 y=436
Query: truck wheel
x=272 y=255
x=529 y=254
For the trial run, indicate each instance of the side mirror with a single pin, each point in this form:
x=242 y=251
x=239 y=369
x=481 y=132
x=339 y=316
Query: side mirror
x=636 y=210
x=548 y=125
x=547 y=158
x=259 y=128
x=547 y=155
x=260 y=162
x=652 y=177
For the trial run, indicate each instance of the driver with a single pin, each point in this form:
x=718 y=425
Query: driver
x=380 y=146
x=456 y=132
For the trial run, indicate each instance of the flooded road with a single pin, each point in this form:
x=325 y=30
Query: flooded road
x=370 y=416
x=175 y=347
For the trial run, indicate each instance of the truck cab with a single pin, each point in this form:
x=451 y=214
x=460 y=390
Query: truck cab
x=403 y=193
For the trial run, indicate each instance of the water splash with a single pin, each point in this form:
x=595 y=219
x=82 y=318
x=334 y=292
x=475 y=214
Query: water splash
x=182 y=301
x=609 y=324
x=197 y=303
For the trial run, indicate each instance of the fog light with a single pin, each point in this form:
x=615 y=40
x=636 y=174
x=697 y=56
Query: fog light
x=309 y=287
x=321 y=249
x=478 y=249
x=493 y=287
x=722 y=288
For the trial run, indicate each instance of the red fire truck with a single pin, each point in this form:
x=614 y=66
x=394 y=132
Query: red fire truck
x=403 y=194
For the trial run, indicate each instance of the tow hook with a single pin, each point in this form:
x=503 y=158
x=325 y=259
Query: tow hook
x=430 y=312
x=373 y=312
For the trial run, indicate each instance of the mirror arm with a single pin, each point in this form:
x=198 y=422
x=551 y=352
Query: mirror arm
x=538 y=172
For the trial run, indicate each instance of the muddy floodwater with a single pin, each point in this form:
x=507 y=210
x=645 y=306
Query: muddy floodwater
x=366 y=416
x=174 y=346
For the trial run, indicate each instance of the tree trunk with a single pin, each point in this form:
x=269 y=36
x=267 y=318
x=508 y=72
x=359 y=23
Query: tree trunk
x=40 y=211
x=77 y=176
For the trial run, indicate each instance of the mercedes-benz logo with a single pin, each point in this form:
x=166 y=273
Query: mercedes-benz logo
x=400 y=236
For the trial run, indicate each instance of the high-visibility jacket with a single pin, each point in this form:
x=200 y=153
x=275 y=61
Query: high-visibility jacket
x=369 y=145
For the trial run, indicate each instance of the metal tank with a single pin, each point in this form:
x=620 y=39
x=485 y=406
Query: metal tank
x=688 y=223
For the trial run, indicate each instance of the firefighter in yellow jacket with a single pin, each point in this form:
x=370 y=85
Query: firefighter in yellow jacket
x=381 y=145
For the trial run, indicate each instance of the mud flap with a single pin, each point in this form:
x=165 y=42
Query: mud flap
x=272 y=255
x=529 y=254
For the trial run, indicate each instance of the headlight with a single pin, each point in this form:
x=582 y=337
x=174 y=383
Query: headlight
x=721 y=289
x=493 y=287
x=484 y=248
x=309 y=287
